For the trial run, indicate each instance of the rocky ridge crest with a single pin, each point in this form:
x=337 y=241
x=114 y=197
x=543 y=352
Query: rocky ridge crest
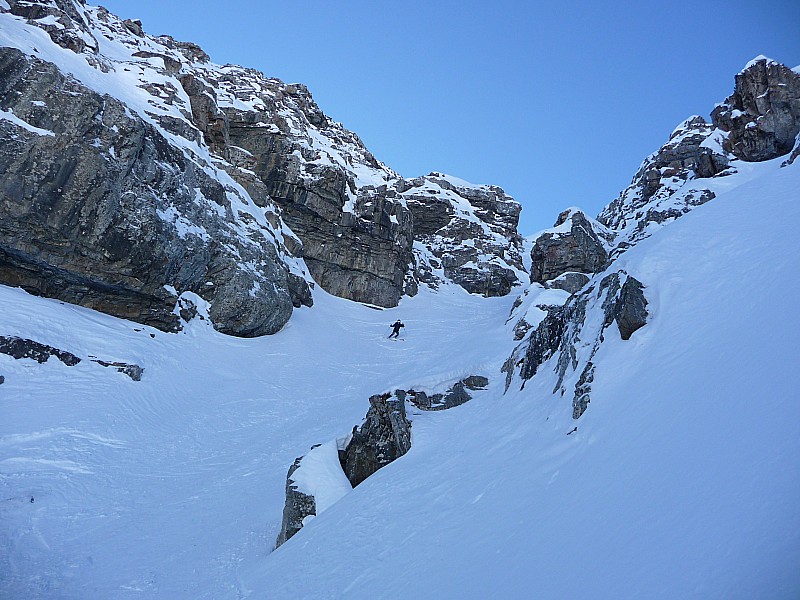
x=760 y=121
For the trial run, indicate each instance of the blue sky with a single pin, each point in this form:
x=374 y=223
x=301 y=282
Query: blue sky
x=556 y=102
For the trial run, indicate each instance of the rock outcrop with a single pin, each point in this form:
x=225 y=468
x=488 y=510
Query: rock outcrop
x=357 y=238
x=630 y=308
x=762 y=116
x=133 y=371
x=113 y=205
x=576 y=244
x=384 y=437
x=571 y=335
x=466 y=234
x=668 y=184
x=214 y=180
x=759 y=121
x=61 y=20
x=20 y=348
x=297 y=507
x=456 y=395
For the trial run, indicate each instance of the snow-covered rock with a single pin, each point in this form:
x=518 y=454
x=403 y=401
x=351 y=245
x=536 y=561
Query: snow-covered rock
x=669 y=182
x=464 y=233
x=123 y=198
x=577 y=244
x=762 y=116
x=759 y=121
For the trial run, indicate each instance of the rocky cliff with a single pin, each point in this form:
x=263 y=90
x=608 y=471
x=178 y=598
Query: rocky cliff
x=110 y=199
x=464 y=233
x=137 y=170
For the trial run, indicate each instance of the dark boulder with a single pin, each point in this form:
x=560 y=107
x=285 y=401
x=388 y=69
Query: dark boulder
x=630 y=309
x=573 y=245
x=132 y=371
x=23 y=348
x=570 y=282
x=297 y=507
x=384 y=437
x=456 y=395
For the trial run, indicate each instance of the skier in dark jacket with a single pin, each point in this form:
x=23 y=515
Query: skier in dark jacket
x=396 y=329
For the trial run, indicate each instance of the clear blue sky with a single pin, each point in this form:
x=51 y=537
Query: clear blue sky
x=556 y=102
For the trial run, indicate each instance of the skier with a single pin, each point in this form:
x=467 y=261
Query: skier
x=396 y=329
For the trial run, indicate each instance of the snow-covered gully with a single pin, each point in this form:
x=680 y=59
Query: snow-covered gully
x=199 y=271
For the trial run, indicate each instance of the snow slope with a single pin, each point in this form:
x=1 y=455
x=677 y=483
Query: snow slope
x=173 y=486
x=681 y=482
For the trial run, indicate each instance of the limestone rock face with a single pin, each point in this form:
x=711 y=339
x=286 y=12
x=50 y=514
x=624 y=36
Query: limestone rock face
x=669 y=182
x=356 y=235
x=762 y=116
x=466 y=234
x=759 y=121
x=285 y=193
x=98 y=209
x=384 y=437
x=576 y=244
x=64 y=25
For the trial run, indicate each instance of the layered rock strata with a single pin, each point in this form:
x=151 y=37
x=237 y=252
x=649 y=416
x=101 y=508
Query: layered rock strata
x=263 y=156
x=113 y=205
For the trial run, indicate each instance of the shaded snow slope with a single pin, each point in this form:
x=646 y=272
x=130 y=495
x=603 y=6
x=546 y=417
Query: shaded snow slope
x=172 y=487
x=680 y=482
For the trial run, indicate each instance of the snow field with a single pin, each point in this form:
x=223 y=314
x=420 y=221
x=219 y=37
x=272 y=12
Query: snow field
x=173 y=486
x=681 y=481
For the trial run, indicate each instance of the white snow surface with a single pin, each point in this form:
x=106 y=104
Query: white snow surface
x=680 y=482
x=758 y=59
x=320 y=475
